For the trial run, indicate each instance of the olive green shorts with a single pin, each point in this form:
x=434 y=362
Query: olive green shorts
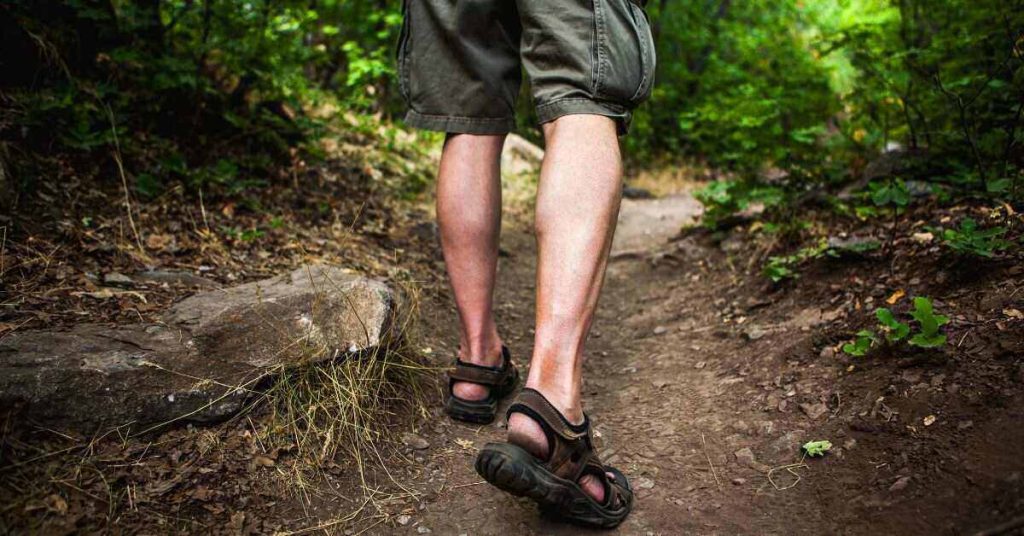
x=460 y=61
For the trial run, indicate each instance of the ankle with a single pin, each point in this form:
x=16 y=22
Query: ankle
x=479 y=352
x=565 y=398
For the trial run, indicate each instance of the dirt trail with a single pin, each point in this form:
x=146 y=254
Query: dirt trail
x=677 y=395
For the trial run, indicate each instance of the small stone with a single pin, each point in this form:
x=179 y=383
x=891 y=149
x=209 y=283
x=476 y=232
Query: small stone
x=849 y=444
x=745 y=456
x=660 y=330
x=403 y=519
x=900 y=484
x=661 y=383
x=422 y=530
x=644 y=483
x=116 y=278
x=414 y=441
x=929 y=420
x=922 y=238
x=700 y=365
x=827 y=353
x=965 y=425
x=754 y=332
x=814 y=411
x=739 y=481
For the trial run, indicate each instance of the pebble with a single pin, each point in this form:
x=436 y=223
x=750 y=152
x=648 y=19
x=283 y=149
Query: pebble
x=660 y=330
x=644 y=483
x=739 y=481
x=415 y=442
x=422 y=530
x=403 y=519
x=814 y=411
x=900 y=484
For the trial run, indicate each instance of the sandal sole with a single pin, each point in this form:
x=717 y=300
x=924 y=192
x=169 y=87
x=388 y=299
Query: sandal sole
x=513 y=470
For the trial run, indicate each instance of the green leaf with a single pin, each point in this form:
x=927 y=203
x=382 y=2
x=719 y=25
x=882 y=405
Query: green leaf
x=926 y=341
x=816 y=448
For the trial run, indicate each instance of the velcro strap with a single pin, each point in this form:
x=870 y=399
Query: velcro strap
x=466 y=372
x=539 y=408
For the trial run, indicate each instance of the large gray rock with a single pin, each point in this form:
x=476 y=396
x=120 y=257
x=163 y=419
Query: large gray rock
x=209 y=355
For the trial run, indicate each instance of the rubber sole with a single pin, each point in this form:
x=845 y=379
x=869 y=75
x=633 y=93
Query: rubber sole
x=480 y=411
x=512 y=469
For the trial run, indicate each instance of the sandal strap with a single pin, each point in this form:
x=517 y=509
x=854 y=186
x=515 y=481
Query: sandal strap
x=479 y=374
x=570 y=447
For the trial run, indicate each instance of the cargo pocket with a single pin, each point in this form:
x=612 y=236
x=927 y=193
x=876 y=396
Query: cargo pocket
x=624 y=57
x=402 y=53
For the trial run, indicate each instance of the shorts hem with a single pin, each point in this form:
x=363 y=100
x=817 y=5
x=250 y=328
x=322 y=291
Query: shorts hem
x=550 y=111
x=460 y=125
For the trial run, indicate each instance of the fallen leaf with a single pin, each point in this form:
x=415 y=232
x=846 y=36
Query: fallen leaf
x=929 y=420
x=1013 y=313
x=263 y=461
x=896 y=296
x=464 y=443
x=56 y=504
x=158 y=241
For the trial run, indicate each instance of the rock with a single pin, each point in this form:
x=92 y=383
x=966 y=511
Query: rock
x=403 y=519
x=414 y=441
x=205 y=359
x=852 y=246
x=519 y=156
x=754 y=332
x=814 y=411
x=632 y=192
x=660 y=330
x=745 y=456
x=117 y=279
x=644 y=483
x=739 y=481
x=422 y=530
x=827 y=353
x=900 y=484
x=173 y=277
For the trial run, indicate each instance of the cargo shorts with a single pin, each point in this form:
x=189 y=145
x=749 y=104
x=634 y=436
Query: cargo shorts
x=460 y=62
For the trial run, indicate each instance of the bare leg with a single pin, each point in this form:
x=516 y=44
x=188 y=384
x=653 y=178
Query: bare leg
x=469 y=215
x=577 y=207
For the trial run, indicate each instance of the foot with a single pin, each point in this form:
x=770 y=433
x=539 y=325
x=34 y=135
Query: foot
x=475 y=391
x=527 y=434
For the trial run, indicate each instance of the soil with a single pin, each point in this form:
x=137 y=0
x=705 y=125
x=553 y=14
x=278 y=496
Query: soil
x=691 y=361
x=703 y=383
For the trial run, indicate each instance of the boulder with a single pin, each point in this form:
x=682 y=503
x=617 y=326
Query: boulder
x=203 y=361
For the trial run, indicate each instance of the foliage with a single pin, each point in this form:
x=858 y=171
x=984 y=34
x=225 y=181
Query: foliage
x=816 y=448
x=724 y=198
x=969 y=240
x=927 y=335
x=784 y=267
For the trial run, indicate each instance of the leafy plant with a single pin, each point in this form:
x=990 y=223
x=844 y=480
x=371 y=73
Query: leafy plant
x=929 y=336
x=784 y=267
x=969 y=240
x=860 y=346
x=894 y=330
x=816 y=448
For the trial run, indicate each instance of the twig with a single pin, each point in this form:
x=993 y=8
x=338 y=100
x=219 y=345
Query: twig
x=124 y=179
x=705 y=443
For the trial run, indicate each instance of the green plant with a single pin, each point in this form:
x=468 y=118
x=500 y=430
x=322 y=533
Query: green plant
x=860 y=345
x=816 y=448
x=724 y=198
x=929 y=336
x=969 y=240
x=893 y=329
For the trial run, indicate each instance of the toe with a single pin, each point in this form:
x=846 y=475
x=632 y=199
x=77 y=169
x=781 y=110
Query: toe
x=592 y=486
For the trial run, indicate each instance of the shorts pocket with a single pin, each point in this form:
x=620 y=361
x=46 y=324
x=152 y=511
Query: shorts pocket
x=402 y=53
x=624 y=56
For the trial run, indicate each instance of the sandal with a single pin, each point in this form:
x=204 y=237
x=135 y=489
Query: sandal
x=554 y=484
x=501 y=380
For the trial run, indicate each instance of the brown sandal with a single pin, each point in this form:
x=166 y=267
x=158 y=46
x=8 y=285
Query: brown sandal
x=554 y=484
x=501 y=380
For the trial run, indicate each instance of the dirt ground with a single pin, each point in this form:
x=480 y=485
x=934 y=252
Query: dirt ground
x=691 y=362
x=703 y=382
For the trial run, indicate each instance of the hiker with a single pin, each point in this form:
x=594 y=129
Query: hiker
x=589 y=64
